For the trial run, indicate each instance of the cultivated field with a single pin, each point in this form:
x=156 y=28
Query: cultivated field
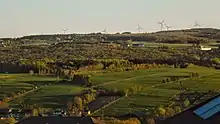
x=53 y=96
x=20 y=83
x=39 y=90
x=154 y=93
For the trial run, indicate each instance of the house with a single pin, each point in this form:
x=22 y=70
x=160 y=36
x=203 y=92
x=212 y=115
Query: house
x=2 y=44
x=138 y=45
x=207 y=112
x=57 y=120
x=205 y=48
x=58 y=112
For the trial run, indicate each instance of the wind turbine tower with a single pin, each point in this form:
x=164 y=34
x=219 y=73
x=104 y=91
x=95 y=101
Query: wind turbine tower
x=64 y=31
x=196 y=25
x=167 y=26
x=161 y=24
x=104 y=31
x=139 y=28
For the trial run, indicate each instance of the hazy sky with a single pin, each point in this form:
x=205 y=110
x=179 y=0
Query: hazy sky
x=24 y=17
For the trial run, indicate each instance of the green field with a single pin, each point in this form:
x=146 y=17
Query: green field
x=53 y=96
x=153 y=92
x=159 y=94
x=15 y=83
x=48 y=94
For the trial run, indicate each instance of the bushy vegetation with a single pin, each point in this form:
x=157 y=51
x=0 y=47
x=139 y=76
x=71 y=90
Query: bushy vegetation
x=128 y=121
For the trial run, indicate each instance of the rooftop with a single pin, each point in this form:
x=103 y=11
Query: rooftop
x=207 y=112
x=57 y=120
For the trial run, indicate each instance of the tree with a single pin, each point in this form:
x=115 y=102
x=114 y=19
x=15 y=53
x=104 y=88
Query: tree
x=78 y=102
x=216 y=61
x=10 y=121
x=31 y=72
x=126 y=92
x=163 y=81
x=150 y=121
x=177 y=109
x=186 y=103
x=34 y=112
x=75 y=110
x=69 y=105
x=161 y=111
x=169 y=112
x=129 y=42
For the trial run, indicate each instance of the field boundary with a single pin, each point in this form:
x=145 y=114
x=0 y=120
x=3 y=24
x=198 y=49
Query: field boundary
x=24 y=94
x=108 y=104
x=154 y=86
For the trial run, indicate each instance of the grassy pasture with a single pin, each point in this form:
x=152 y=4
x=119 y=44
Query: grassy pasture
x=153 y=93
x=160 y=95
x=53 y=96
x=14 y=83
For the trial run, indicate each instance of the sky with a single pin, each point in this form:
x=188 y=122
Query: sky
x=31 y=17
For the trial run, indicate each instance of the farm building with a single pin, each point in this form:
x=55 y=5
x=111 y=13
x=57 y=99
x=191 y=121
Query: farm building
x=138 y=45
x=57 y=120
x=2 y=44
x=205 y=48
x=207 y=112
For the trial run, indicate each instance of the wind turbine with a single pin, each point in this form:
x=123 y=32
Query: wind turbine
x=104 y=31
x=161 y=24
x=139 y=28
x=64 y=30
x=196 y=24
x=167 y=26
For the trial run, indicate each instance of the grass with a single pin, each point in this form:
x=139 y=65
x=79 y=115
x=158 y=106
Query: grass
x=53 y=96
x=153 y=92
x=101 y=78
x=155 y=96
x=50 y=96
x=15 y=83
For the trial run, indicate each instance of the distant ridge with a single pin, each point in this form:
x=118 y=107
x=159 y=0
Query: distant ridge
x=195 y=35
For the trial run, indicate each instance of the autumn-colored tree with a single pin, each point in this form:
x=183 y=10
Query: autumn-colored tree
x=169 y=112
x=150 y=121
x=78 y=102
x=34 y=112
x=186 y=103
x=177 y=109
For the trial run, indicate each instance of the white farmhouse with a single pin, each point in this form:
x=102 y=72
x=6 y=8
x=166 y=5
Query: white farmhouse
x=205 y=48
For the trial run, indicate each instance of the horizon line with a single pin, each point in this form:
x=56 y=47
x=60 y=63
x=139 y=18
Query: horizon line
x=115 y=32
